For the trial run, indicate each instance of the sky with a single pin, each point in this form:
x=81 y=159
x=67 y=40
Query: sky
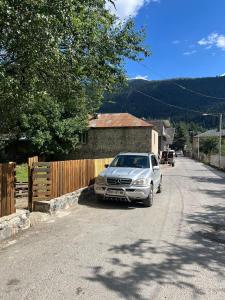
x=186 y=37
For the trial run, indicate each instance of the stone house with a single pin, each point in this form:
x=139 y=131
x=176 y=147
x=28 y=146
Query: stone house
x=199 y=137
x=166 y=133
x=110 y=134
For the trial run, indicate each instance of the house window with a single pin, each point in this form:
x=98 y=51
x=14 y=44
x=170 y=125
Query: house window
x=83 y=138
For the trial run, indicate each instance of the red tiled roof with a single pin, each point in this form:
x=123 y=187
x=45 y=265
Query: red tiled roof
x=117 y=120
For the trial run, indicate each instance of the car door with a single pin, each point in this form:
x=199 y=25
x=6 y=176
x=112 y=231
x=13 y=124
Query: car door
x=155 y=171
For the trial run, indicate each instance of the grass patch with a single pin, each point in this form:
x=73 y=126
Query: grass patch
x=22 y=173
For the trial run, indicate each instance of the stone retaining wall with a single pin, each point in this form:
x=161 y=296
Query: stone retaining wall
x=14 y=223
x=60 y=203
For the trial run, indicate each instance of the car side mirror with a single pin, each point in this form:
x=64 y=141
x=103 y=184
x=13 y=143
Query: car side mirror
x=155 y=168
x=106 y=166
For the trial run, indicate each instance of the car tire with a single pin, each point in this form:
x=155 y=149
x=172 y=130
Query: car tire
x=98 y=198
x=148 y=202
x=173 y=164
x=160 y=187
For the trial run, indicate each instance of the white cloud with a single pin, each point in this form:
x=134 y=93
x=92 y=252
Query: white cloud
x=214 y=39
x=143 y=77
x=222 y=75
x=176 y=42
x=128 y=8
x=188 y=53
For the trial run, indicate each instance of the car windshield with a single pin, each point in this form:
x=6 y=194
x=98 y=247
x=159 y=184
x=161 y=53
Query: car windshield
x=170 y=155
x=131 y=161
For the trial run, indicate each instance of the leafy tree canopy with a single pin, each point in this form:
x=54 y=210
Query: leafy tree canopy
x=57 y=59
x=209 y=145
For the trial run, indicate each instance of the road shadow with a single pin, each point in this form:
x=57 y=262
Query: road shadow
x=131 y=267
x=87 y=198
x=207 y=179
x=210 y=220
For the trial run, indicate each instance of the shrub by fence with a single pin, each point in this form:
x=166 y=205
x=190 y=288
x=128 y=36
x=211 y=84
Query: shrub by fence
x=7 y=189
x=49 y=180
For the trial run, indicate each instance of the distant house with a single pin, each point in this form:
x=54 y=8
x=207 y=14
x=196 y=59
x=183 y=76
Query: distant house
x=206 y=134
x=166 y=133
x=109 y=134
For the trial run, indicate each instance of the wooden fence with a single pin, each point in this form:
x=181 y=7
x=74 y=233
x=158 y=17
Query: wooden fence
x=21 y=189
x=49 y=180
x=7 y=189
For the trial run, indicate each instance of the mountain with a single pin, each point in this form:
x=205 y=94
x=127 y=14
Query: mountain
x=187 y=93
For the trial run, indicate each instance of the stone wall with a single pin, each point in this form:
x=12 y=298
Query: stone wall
x=108 y=142
x=63 y=202
x=14 y=223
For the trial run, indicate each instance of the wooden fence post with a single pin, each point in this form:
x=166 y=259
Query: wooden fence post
x=31 y=160
x=7 y=189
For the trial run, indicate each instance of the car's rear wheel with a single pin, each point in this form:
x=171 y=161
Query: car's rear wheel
x=148 y=202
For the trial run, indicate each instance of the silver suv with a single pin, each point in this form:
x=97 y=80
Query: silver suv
x=130 y=177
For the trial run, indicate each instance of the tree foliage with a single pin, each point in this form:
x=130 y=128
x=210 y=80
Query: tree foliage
x=57 y=59
x=184 y=133
x=209 y=145
x=171 y=92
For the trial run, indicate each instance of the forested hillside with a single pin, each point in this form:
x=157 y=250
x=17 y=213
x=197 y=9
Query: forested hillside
x=177 y=92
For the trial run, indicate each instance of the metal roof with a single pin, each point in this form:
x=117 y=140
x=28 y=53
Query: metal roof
x=117 y=120
x=211 y=133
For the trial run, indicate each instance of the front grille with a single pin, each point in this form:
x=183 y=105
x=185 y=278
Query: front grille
x=119 y=181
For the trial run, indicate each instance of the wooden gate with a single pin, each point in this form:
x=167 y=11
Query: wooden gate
x=40 y=182
x=7 y=189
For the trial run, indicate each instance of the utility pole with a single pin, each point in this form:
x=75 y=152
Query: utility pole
x=198 y=147
x=220 y=115
x=220 y=138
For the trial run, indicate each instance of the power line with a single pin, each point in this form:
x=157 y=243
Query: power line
x=168 y=104
x=185 y=88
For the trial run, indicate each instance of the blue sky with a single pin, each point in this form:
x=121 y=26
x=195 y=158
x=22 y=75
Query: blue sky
x=186 y=37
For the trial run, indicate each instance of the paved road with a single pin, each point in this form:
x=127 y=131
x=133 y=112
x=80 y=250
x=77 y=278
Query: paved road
x=116 y=251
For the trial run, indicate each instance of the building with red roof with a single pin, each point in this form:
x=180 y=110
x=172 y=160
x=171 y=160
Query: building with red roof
x=110 y=134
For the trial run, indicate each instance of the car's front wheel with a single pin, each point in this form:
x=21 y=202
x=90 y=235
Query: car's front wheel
x=160 y=186
x=148 y=202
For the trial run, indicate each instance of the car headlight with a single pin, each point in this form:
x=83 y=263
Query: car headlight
x=141 y=182
x=100 y=180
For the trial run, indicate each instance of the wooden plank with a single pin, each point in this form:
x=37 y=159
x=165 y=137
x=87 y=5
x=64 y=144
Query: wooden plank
x=31 y=161
x=1 y=213
x=40 y=183
x=41 y=193
x=46 y=176
x=53 y=179
x=4 y=189
x=41 y=198
x=42 y=164
x=8 y=189
x=42 y=188
x=41 y=170
x=13 y=184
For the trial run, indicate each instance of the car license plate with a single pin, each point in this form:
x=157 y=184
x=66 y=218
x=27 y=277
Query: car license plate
x=115 y=192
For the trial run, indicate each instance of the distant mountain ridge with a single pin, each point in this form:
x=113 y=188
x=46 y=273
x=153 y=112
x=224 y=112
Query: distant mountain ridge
x=174 y=92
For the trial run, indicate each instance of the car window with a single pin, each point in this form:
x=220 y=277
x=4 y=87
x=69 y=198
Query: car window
x=131 y=161
x=154 y=161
